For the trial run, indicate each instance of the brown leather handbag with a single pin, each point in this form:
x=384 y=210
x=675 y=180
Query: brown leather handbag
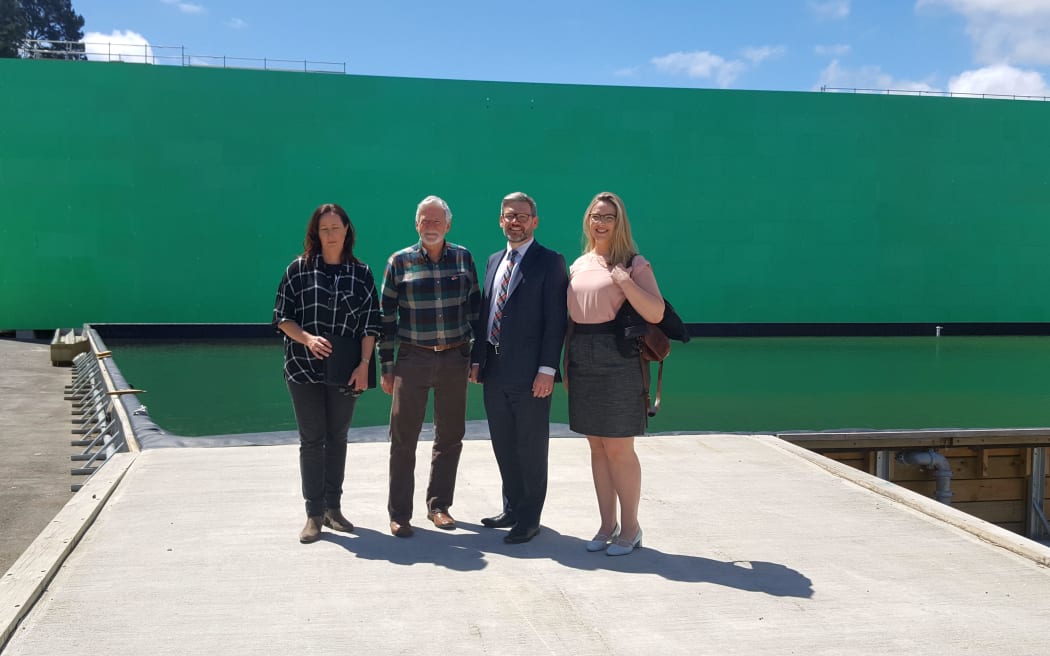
x=653 y=344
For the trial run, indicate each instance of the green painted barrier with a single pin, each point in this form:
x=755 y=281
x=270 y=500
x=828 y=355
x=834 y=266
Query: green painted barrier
x=154 y=194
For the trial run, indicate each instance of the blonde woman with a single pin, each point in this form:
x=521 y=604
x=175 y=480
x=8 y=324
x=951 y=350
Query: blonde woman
x=606 y=393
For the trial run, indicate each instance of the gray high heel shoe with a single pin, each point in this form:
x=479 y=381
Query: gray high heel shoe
x=601 y=540
x=623 y=547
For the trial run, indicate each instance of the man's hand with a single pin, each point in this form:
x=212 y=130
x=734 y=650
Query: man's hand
x=387 y=383
x=542 y=385
x=473 y=375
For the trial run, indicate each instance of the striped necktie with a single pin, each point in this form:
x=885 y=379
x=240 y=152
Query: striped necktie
x=501 y=298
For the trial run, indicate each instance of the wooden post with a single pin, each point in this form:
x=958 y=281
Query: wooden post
x=1037 y=520
x=982 y=457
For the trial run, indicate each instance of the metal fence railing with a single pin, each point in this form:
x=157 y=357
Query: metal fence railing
x=100 y=421
x=168 y=56
x=925 y=92
x=96 y=425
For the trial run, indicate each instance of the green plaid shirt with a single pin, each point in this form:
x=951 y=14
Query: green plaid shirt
x=428 y=303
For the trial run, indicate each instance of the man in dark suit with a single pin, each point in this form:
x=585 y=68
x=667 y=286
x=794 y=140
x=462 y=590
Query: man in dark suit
x=517 y=348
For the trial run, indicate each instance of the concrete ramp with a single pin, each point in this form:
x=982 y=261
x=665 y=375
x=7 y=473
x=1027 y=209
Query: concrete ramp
x=751 y=547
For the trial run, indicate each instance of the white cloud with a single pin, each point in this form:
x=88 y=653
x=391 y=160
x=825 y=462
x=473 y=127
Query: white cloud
x=186 y=7
x=830 y=10
x=119 y=46
x=626 y=72
x=866 y=77
x=700 y=64
x=1004 y=31
x=705 y=65
x=837 y=50
x=760 y=54
x=1000 y=79
x=1008 y=7
x=236 y=23
x=1015 y=41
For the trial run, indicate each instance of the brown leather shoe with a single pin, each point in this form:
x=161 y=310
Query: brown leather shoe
x=442 y=519
x=312 y=531
x=334 y=520
x=401 y=529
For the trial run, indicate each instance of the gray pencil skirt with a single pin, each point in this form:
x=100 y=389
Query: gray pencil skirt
x=606 y=395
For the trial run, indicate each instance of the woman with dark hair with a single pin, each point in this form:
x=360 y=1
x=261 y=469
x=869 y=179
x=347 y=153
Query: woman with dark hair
x=604 y=381
x=325 y=293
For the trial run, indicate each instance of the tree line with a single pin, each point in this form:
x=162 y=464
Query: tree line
x=32 y=28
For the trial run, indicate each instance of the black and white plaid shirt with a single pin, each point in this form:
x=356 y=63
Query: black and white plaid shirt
x=428 y=303
x=324 y=299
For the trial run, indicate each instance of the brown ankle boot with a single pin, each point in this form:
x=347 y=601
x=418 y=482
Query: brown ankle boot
x=333 y=519
x=312 y=531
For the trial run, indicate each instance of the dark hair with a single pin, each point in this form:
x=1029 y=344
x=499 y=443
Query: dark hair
x=312 y=242
x=519 y=197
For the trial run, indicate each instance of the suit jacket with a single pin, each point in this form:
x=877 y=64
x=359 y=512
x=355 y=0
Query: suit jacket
x=532 y=331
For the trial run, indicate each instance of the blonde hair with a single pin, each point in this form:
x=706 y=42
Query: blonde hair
x=623 y=246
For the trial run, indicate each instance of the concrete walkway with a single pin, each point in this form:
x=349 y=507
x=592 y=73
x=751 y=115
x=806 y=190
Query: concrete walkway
x=34 y=440
x=751 y=547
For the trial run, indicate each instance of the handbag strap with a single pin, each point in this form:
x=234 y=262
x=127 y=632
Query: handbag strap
x=652 y=408
x=659 y=389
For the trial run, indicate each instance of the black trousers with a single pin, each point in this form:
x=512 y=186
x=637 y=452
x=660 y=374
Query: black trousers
x=519 y=425
x=323 y=415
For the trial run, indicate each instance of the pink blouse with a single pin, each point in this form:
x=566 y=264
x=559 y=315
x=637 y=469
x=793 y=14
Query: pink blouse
x=593 y=296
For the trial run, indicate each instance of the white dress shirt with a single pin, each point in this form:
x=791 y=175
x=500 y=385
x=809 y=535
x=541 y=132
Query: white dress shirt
x=514 y=279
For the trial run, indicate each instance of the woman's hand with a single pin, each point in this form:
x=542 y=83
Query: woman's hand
x=620 y=275
x=318 y=346
x=359 y=379
x=648 y=304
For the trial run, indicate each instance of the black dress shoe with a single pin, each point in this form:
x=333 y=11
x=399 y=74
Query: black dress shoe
x=519 y=534
x=502 y=520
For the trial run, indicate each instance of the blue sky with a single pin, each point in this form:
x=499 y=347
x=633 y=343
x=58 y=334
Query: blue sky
x=966 y=46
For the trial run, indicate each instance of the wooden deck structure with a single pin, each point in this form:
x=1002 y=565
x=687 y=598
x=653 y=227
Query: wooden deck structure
x=998 y=475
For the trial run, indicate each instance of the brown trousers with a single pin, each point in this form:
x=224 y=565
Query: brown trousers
x=416 y=372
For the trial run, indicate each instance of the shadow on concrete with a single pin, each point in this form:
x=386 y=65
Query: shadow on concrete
x=464 y=550
x=461 y=555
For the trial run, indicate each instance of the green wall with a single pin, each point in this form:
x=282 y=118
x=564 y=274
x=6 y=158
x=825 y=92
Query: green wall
x=151 y=194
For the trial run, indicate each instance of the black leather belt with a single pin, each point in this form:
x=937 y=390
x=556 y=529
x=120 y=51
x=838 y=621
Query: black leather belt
x=607 y=328
x=438 y=348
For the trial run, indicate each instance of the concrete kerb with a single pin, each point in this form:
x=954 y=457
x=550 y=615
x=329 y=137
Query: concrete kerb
x=981 y=529
x=30 y=575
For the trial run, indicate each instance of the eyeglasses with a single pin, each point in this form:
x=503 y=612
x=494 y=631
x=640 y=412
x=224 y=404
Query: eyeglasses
x=430 y=223
x=520 y=217
x=602 y=218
